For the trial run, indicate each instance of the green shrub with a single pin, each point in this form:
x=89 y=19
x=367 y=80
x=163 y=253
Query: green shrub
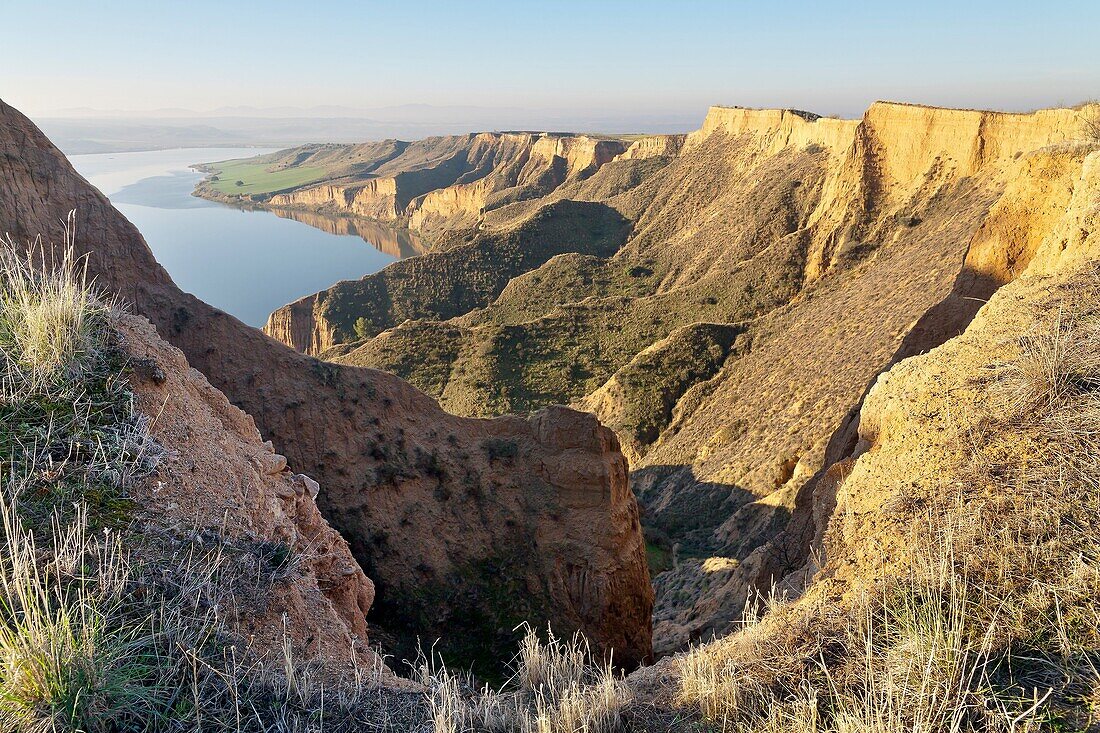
x=500 y=449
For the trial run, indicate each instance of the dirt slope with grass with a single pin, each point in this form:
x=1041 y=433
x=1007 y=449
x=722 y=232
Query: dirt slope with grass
x=433 y=505
x=160 y=568
x=954 y=579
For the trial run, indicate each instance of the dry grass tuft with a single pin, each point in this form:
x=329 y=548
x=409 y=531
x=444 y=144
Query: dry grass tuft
x=557 y=687
x=1055 y=364
x=1090 y=125
x=50 y=316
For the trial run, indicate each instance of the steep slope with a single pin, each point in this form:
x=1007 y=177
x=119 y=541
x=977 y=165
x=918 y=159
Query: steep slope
x=754 y=474
x=218 y=480
x=364 y=434
x=968 y=502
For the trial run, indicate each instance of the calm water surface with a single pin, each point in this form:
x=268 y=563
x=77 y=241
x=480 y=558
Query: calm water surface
x=247 y=263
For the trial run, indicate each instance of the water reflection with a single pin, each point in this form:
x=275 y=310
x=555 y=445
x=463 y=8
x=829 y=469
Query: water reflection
x=397 y=242
x=246 y=262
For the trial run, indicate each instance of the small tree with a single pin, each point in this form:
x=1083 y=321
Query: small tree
x=364 y=329
x=240 y=183
x=1091 y=124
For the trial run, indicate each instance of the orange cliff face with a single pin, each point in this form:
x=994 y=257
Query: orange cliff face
x=397 y=474
x=653 y=147
x=883 y=160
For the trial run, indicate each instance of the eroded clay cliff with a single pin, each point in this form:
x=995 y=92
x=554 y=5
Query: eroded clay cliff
x=836 y=247
x=437 y=183
x=220 y=488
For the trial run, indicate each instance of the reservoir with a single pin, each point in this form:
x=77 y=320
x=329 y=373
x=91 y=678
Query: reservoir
x=248 y=262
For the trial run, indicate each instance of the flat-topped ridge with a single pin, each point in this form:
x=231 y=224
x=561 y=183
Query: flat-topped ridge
x=780 y=127
x=971 y=137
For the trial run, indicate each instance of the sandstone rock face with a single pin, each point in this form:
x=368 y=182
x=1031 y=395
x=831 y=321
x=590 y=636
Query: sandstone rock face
x=775 y=129
x=655 y=146
x=1043 y=225
x=376 y=445
x=218 y=476
x=299 y=326
x=564 y=534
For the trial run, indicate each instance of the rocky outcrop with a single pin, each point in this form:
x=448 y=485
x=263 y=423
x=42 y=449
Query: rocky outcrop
x=656 y=146
x=501 y=547
x=218 y=479
x=927 y=421
x=375 y=198
x=950 y=483
x=581 y=154
x=462 y=202
x=300 y=326
x=363 y=434
x=775 y=129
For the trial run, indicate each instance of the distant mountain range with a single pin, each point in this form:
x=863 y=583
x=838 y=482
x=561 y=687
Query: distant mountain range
x=86 y=130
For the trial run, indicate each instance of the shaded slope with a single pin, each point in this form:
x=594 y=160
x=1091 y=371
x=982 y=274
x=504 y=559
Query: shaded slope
x=441 y=285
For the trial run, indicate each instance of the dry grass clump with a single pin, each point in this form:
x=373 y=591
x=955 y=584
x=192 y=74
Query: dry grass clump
x=995 y=625
x=1056 y=363
x=48 y=324
x=76 y=651
x=68 y=428
x=1090 y=125
x=557 y=687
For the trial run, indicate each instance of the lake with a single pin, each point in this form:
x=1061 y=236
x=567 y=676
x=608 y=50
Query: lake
x=246 y=262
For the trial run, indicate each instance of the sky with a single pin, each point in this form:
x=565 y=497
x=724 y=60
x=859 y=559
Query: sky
x=623 y=58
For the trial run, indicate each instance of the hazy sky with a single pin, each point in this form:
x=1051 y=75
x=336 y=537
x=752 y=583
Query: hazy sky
x=623 y=57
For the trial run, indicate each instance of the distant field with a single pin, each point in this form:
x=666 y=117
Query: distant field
x=256 y=178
